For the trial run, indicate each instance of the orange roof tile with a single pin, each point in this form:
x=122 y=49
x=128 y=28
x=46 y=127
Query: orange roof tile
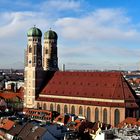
x=9 y=95
x=21 y=90
x=129 y=120
x=6 y=124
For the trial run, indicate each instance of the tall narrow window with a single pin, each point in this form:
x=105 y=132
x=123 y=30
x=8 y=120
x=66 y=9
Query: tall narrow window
x=44 y=106
x=39 y=50
x=51 y=107
x=46 y=51
x=35 y=49
x=105 y=115
x=137 y=113
x=88 y=114
x=116 y=117
x=80 y=110
x=38 y=105
x=72 y=110
x=96 y=114
x=30 y=49
x=65 y=109
x=58 y=108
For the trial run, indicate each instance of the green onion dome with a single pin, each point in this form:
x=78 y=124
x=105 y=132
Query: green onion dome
x=34 y=32
x=50 y=35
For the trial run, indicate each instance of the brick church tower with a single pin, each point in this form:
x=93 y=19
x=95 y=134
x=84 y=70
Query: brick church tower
x=33 y=67
x=34 y=70
x=50 y=59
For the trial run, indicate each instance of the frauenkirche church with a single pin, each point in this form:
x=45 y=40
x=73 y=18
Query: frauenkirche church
x=99 y=96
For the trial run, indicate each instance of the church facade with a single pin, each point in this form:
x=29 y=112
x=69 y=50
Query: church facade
x=99 y=96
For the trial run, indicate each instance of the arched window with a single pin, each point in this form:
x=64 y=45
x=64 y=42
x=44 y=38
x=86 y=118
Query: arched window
x=30 y=49
x=65 y=109
x=38 y=105
x=72 y=110
x=127 y=112
x=44 y=106
x=105 y=116
x=80 y=110
x=116 y=117
x=46 y=51
x=88 y=114
x=58 y=108
x=51 y=107
x=96 y=114
x=137 y=113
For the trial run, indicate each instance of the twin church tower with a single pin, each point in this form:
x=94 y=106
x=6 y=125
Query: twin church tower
x=35 y=64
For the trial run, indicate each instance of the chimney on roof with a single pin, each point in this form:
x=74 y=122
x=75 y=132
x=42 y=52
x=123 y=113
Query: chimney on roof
x=63 y=67
x=72 y=118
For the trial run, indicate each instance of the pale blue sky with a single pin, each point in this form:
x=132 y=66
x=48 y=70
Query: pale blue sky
x=93 y=34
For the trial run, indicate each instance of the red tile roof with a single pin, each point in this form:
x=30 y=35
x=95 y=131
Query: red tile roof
x=85 y=125
x=47 y=115
x=9 y=95
x=6 y=124
x=103 y=85
x=129 y=121
x=21 y=90
x=63 y=119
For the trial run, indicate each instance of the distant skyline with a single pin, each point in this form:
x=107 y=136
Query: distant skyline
x=92 y=34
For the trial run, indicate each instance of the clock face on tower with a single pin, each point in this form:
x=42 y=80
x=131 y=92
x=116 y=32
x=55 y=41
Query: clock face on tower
x=30 y=61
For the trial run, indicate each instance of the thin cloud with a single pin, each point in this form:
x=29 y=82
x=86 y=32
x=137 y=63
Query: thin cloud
x=61 y=5
x=92 y=37
x=100 y=24
x=17 y=23
x=13 y=35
